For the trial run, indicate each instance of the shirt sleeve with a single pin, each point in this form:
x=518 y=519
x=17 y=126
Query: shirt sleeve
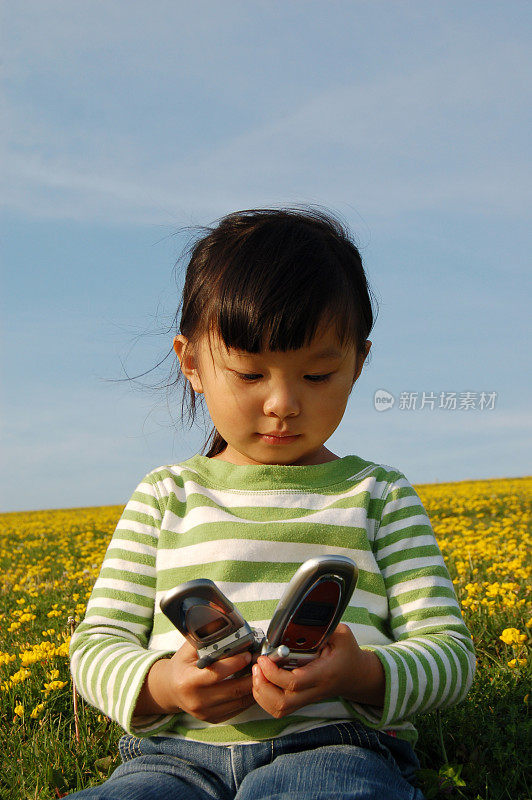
x=431 y=664
x=109 y=655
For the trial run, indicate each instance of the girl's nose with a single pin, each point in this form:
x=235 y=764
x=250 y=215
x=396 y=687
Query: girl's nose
x=281 y=402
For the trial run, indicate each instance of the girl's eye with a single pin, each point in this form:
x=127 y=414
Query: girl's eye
x=248 y=377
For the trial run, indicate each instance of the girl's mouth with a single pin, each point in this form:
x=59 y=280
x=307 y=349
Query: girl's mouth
x=271 y=438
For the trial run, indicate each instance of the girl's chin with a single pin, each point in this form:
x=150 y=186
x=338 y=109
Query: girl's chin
x=256 y=456
x=274 y=454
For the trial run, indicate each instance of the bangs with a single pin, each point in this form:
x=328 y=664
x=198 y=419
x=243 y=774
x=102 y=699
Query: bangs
x=275 y=295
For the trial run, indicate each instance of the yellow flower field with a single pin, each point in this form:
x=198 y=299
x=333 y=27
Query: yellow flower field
x=50 y=559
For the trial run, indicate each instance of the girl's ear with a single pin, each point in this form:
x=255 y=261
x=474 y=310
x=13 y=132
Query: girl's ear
x=188 y=361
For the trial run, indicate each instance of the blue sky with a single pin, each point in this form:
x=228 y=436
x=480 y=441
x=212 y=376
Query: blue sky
x=128 y=121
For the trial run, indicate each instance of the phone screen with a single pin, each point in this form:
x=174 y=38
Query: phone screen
x=310 y=613
x=211 y=627
x=311 y=620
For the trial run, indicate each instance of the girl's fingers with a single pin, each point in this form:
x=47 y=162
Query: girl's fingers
x=273 y=673
x=226 y=699
x=225 y=667
x=211 y=693
x=225 y=711
x=290 y=680
x=228 y=690
x=187 y=653
x=275 y=700
x=219 y=670
x=265 y=692
x=214 y=701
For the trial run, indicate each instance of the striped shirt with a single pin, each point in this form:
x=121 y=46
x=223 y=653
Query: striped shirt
x=248 y=528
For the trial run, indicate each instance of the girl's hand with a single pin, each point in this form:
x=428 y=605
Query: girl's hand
x=341 y=670
x=176 y=684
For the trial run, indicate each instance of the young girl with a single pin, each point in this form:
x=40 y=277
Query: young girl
x=274 y=330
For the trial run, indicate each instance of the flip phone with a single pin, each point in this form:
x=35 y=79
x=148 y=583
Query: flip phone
x=309 y=610
x=210 y=622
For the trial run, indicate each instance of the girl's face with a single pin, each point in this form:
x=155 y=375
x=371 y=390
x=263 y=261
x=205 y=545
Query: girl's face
x=273 y=407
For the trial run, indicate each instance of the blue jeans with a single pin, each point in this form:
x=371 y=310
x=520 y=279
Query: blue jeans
x=341 y=761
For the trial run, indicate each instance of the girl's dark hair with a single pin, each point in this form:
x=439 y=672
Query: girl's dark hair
x=267 y=279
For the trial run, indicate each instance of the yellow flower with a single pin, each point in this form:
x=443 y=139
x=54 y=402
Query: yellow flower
x=28 y=658
x=13 y=627
x=26 y=617
x=517 y=662
x=19 y=710
x=20 y=676
x=512 y=636
x=37 y=711
x=53 y=686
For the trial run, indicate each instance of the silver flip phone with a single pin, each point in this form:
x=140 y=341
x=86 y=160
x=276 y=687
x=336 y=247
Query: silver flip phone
x=210 y=622
x=309 y=610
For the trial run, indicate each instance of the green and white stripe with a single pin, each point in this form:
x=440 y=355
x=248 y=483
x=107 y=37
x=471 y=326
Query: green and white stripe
x=248 y=528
